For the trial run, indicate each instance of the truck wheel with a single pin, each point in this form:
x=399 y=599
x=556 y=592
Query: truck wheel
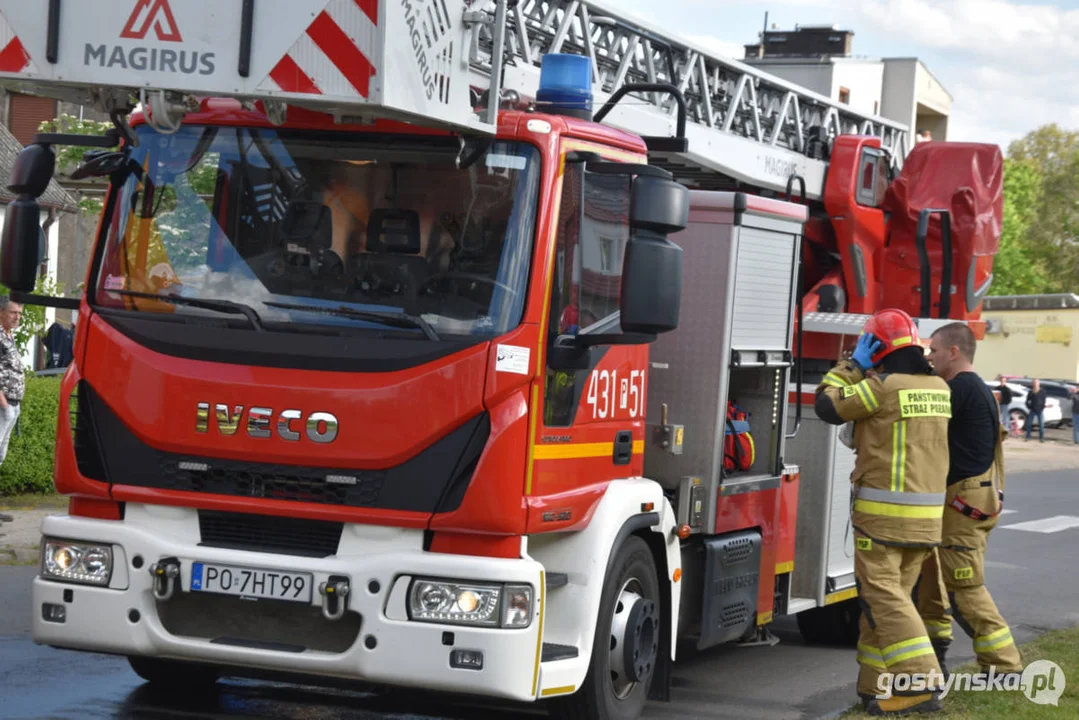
x=626 y=646
x=170 y=673
x=832 y=624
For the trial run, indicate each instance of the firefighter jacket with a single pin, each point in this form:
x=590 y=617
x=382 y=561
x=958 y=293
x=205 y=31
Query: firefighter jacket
x=901 y=440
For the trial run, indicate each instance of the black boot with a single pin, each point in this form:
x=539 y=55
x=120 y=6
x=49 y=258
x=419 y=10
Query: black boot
x=940 y=646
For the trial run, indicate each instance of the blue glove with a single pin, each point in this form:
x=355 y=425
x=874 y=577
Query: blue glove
x=864 y=351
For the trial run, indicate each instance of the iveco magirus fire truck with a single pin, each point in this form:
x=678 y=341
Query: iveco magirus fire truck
x=400 y=362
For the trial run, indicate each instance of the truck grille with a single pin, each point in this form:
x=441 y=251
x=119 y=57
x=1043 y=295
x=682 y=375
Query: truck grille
x=279 y=482
x=269 y=534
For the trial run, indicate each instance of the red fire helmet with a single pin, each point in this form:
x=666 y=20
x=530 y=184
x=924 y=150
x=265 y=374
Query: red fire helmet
x=894 y=328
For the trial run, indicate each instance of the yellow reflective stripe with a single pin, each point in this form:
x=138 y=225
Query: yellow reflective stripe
x=905 y=340
x=871 y=507
x=866 y=395
x=912 y=653
x=939 y=628
x=871 y=657
x=834 y=380
x=899 y=455
x=907 y=649
x=993 y=641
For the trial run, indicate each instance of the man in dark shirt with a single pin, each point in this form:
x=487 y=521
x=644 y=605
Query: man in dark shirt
x=972 y=507
x=1036 y=405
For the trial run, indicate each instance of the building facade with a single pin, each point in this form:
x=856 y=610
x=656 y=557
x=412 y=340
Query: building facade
x=1032 y=336
x=820 y=59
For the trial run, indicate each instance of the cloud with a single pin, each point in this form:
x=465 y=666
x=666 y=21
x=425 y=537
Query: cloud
x=736 y=51
x=1001 y=103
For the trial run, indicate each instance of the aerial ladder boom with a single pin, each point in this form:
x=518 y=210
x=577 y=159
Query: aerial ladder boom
x=743 y=125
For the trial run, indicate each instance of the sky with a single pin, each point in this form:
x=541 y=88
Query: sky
x=1009 y=65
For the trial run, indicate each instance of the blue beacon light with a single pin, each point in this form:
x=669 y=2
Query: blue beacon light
x=565 y=86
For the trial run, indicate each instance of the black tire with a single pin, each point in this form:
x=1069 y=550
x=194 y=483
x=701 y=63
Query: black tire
x=635 y=568
x=832 y=624
x=173 y=674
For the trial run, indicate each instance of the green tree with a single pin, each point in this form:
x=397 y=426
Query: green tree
x=1015 y=270
x=68 y=157
x=1051 y=238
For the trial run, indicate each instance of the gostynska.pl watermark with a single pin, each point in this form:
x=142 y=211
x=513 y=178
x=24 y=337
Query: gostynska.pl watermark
x=1042 y=681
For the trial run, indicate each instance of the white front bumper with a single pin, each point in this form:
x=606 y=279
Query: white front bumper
x=410 y=654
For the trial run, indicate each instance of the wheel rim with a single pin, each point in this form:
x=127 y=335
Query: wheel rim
x=634 y=641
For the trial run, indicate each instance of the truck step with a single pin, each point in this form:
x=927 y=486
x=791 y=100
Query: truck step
x=552 y=652
x=556 y=580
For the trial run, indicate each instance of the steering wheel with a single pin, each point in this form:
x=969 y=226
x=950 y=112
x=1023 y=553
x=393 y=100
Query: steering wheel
x=470 y=277
x=99 y=164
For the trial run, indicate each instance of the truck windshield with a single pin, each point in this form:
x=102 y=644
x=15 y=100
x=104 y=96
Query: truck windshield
x=323 y=229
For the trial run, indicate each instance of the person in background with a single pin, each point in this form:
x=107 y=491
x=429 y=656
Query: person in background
x=1006 y=398
x=1036 y=410
x=1074 y=392
x=12 y=376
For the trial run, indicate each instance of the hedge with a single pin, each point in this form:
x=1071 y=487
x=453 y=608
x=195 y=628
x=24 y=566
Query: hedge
x=28 y=465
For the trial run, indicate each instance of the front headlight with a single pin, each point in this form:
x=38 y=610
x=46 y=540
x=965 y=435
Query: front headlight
x=470 y=603
x=77 y=562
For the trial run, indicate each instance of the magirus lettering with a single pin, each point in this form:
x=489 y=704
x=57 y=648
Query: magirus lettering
x=187 y=62
x=415 y=34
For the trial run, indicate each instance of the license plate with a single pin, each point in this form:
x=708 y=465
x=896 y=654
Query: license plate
x=251 y=582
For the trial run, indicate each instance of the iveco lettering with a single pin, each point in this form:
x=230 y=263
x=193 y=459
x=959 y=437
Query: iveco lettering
x=320 y=427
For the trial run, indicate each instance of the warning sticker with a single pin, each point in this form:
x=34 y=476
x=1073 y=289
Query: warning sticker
x=925 y=403
x=512 y=359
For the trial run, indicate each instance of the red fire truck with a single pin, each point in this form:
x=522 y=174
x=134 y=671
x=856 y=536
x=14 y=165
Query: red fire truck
x=400 y=362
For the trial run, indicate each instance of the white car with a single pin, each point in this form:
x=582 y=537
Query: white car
x=1017 y=409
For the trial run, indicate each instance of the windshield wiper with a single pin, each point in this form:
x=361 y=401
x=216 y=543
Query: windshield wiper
x=403 y=320
x=225 y=306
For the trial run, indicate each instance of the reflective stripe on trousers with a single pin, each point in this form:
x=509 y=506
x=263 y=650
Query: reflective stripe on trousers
x=896 y=503
x=895 y=653
x=993 y=641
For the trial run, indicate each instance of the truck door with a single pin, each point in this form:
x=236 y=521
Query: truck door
x=858 y=177
x=591 y=420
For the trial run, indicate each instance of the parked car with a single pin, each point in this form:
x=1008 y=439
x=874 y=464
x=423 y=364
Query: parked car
x=1017 y=409
x=1059 y=389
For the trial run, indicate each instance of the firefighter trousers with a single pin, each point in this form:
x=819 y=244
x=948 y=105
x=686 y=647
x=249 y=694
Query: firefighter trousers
x=962 y=571
x=892 y=640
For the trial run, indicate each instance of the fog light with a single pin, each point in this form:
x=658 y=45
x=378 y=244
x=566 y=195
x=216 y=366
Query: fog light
x=466 y=659
x=51 y=612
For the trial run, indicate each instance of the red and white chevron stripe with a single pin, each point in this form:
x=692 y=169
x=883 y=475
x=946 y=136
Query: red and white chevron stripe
x=13 y=56
x=333 y=56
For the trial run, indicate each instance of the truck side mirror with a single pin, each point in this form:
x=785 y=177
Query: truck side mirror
x=652 y=269
x=20 y=244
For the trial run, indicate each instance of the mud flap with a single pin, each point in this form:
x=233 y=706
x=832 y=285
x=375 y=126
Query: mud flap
x=731 y=580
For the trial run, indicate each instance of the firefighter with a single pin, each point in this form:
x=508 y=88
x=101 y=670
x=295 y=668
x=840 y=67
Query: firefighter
x=900 y=413
x=972 y=506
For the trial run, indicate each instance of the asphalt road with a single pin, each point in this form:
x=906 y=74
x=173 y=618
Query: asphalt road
x=1027 y=569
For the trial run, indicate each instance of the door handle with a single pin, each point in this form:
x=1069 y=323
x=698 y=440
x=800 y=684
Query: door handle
x=623 y=447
